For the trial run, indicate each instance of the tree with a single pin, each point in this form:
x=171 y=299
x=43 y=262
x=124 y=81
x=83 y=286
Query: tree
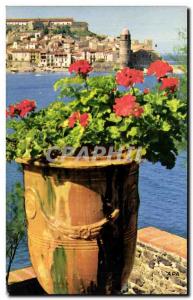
x=46 y=30
x=63 y=30
x=15 y=225
x=8 y=29
x=180 y=57
x=38 y=25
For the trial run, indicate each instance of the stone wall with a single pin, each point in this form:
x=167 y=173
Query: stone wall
x=143 y=58
x=104 y=66
x=157 y=272
x=20 y=65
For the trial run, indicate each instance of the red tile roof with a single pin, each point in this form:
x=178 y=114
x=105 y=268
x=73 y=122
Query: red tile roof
x=42 y=20
x=24 y=50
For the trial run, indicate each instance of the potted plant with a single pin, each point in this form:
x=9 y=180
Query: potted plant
x=80 y=158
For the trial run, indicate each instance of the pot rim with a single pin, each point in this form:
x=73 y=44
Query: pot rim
x=72 y=162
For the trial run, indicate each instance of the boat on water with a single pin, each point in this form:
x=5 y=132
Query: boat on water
x=14 y=71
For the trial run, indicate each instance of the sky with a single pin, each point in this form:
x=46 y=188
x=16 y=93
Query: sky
x=159 y=23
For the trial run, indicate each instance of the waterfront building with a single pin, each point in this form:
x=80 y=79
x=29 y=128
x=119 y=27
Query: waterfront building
x=61 y=59
x=55 y=59
x=23 y=58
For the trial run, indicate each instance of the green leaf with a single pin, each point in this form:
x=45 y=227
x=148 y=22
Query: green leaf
x=174 y=104
x=87 y=96
x=69 y=91
x=132 y=132
x=114 y=118
x=106 y=83
x=74 y=137
x=166 y=126
x=59 y=84
x=104 y=98
x=27 y=154
x=148 y=110
x=64 y=124
x=123 y=126
x=114 y=132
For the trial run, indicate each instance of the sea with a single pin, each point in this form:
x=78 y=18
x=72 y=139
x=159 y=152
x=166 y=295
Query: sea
x=163 y=193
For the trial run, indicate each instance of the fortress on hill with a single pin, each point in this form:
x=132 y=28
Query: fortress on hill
x=53 y=44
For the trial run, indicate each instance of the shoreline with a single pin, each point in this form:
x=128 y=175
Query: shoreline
x=15 y=71
x=177 y=70
x=52 y=72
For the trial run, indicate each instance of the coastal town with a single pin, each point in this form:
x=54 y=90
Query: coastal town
x=53 y=44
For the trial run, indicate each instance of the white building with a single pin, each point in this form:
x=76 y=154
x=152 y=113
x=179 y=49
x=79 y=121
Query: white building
x=61 y=22
x=57 y=59
x=20 y=22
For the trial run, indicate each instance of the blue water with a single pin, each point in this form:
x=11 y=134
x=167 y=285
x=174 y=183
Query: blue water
x=163 y=193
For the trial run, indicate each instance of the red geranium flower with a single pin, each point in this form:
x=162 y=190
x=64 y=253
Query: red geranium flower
x=84 y=119
x=127 y=106
x=138 y=111
x=11 y=111
x=73 y=118
x=7 y=113
x=146 y=91
x=25 y=106
x=159 y=68
x=21 y=109
x=76 y=116
x=128 y=77
x=169 y=83
x=81 y=67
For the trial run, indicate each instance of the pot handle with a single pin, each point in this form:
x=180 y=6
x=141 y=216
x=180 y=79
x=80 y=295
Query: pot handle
x=85 y=232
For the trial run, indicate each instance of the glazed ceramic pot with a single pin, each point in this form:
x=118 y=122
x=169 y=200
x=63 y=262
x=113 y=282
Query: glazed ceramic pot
x=81 y=224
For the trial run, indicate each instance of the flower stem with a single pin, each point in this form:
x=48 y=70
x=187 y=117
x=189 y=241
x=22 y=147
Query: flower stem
x=133 y=90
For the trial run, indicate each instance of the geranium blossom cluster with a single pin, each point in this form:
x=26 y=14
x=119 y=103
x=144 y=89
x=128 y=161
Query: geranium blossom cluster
x=159 y=68
x=128 y=77
x=80 y=67
x=81 y=118
x=21 y=109
x=127 y=106
x=170 y=83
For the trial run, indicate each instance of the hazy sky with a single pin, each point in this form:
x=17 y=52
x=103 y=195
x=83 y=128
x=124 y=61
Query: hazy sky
x=158 y=23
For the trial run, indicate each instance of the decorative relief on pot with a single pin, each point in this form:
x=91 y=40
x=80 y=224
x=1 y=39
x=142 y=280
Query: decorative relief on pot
x=30 y=203
x=85 y=232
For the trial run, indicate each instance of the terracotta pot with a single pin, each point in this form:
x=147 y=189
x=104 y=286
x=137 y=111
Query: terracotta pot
x=82 y=224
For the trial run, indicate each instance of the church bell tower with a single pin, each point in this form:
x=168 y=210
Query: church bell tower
x=125 y=48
